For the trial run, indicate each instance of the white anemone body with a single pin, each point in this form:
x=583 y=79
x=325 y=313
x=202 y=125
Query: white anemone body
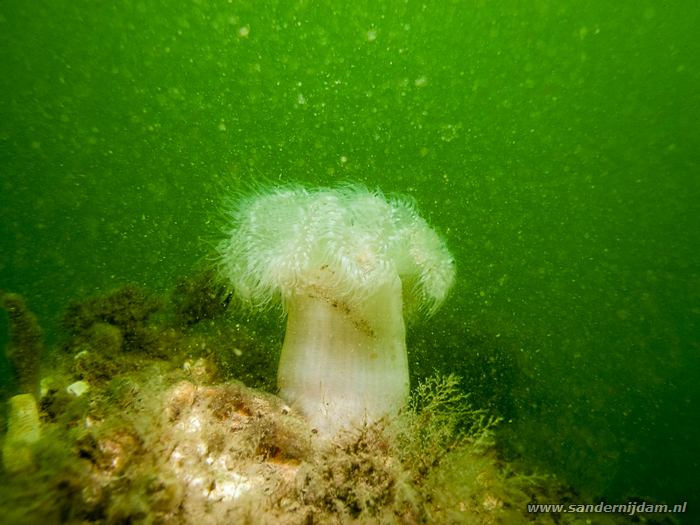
x=344 y=263
x=344 y=366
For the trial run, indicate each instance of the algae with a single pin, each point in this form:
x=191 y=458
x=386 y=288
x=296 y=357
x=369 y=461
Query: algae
x=127 y=309
x=198 y=297
x=26 y=343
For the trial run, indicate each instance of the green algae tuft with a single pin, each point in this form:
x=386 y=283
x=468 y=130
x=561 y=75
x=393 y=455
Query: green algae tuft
x=26 y=343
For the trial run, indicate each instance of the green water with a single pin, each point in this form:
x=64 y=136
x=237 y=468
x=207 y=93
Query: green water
x=554 y=144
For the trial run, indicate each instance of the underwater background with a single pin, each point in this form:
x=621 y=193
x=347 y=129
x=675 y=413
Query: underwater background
x=555 y=146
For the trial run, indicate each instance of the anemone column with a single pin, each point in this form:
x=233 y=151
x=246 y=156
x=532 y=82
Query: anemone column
x=344 y=364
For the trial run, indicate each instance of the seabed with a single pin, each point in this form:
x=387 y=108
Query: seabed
x=141 y=415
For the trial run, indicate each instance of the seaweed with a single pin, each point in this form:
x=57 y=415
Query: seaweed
x=199 y=297
x=128 y=309
x=26 y=343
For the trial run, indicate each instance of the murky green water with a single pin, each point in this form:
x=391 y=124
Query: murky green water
x=555 y=146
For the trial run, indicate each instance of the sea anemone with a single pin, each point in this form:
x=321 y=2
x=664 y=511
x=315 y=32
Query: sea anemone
x=346 y=264
x=23 y=431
